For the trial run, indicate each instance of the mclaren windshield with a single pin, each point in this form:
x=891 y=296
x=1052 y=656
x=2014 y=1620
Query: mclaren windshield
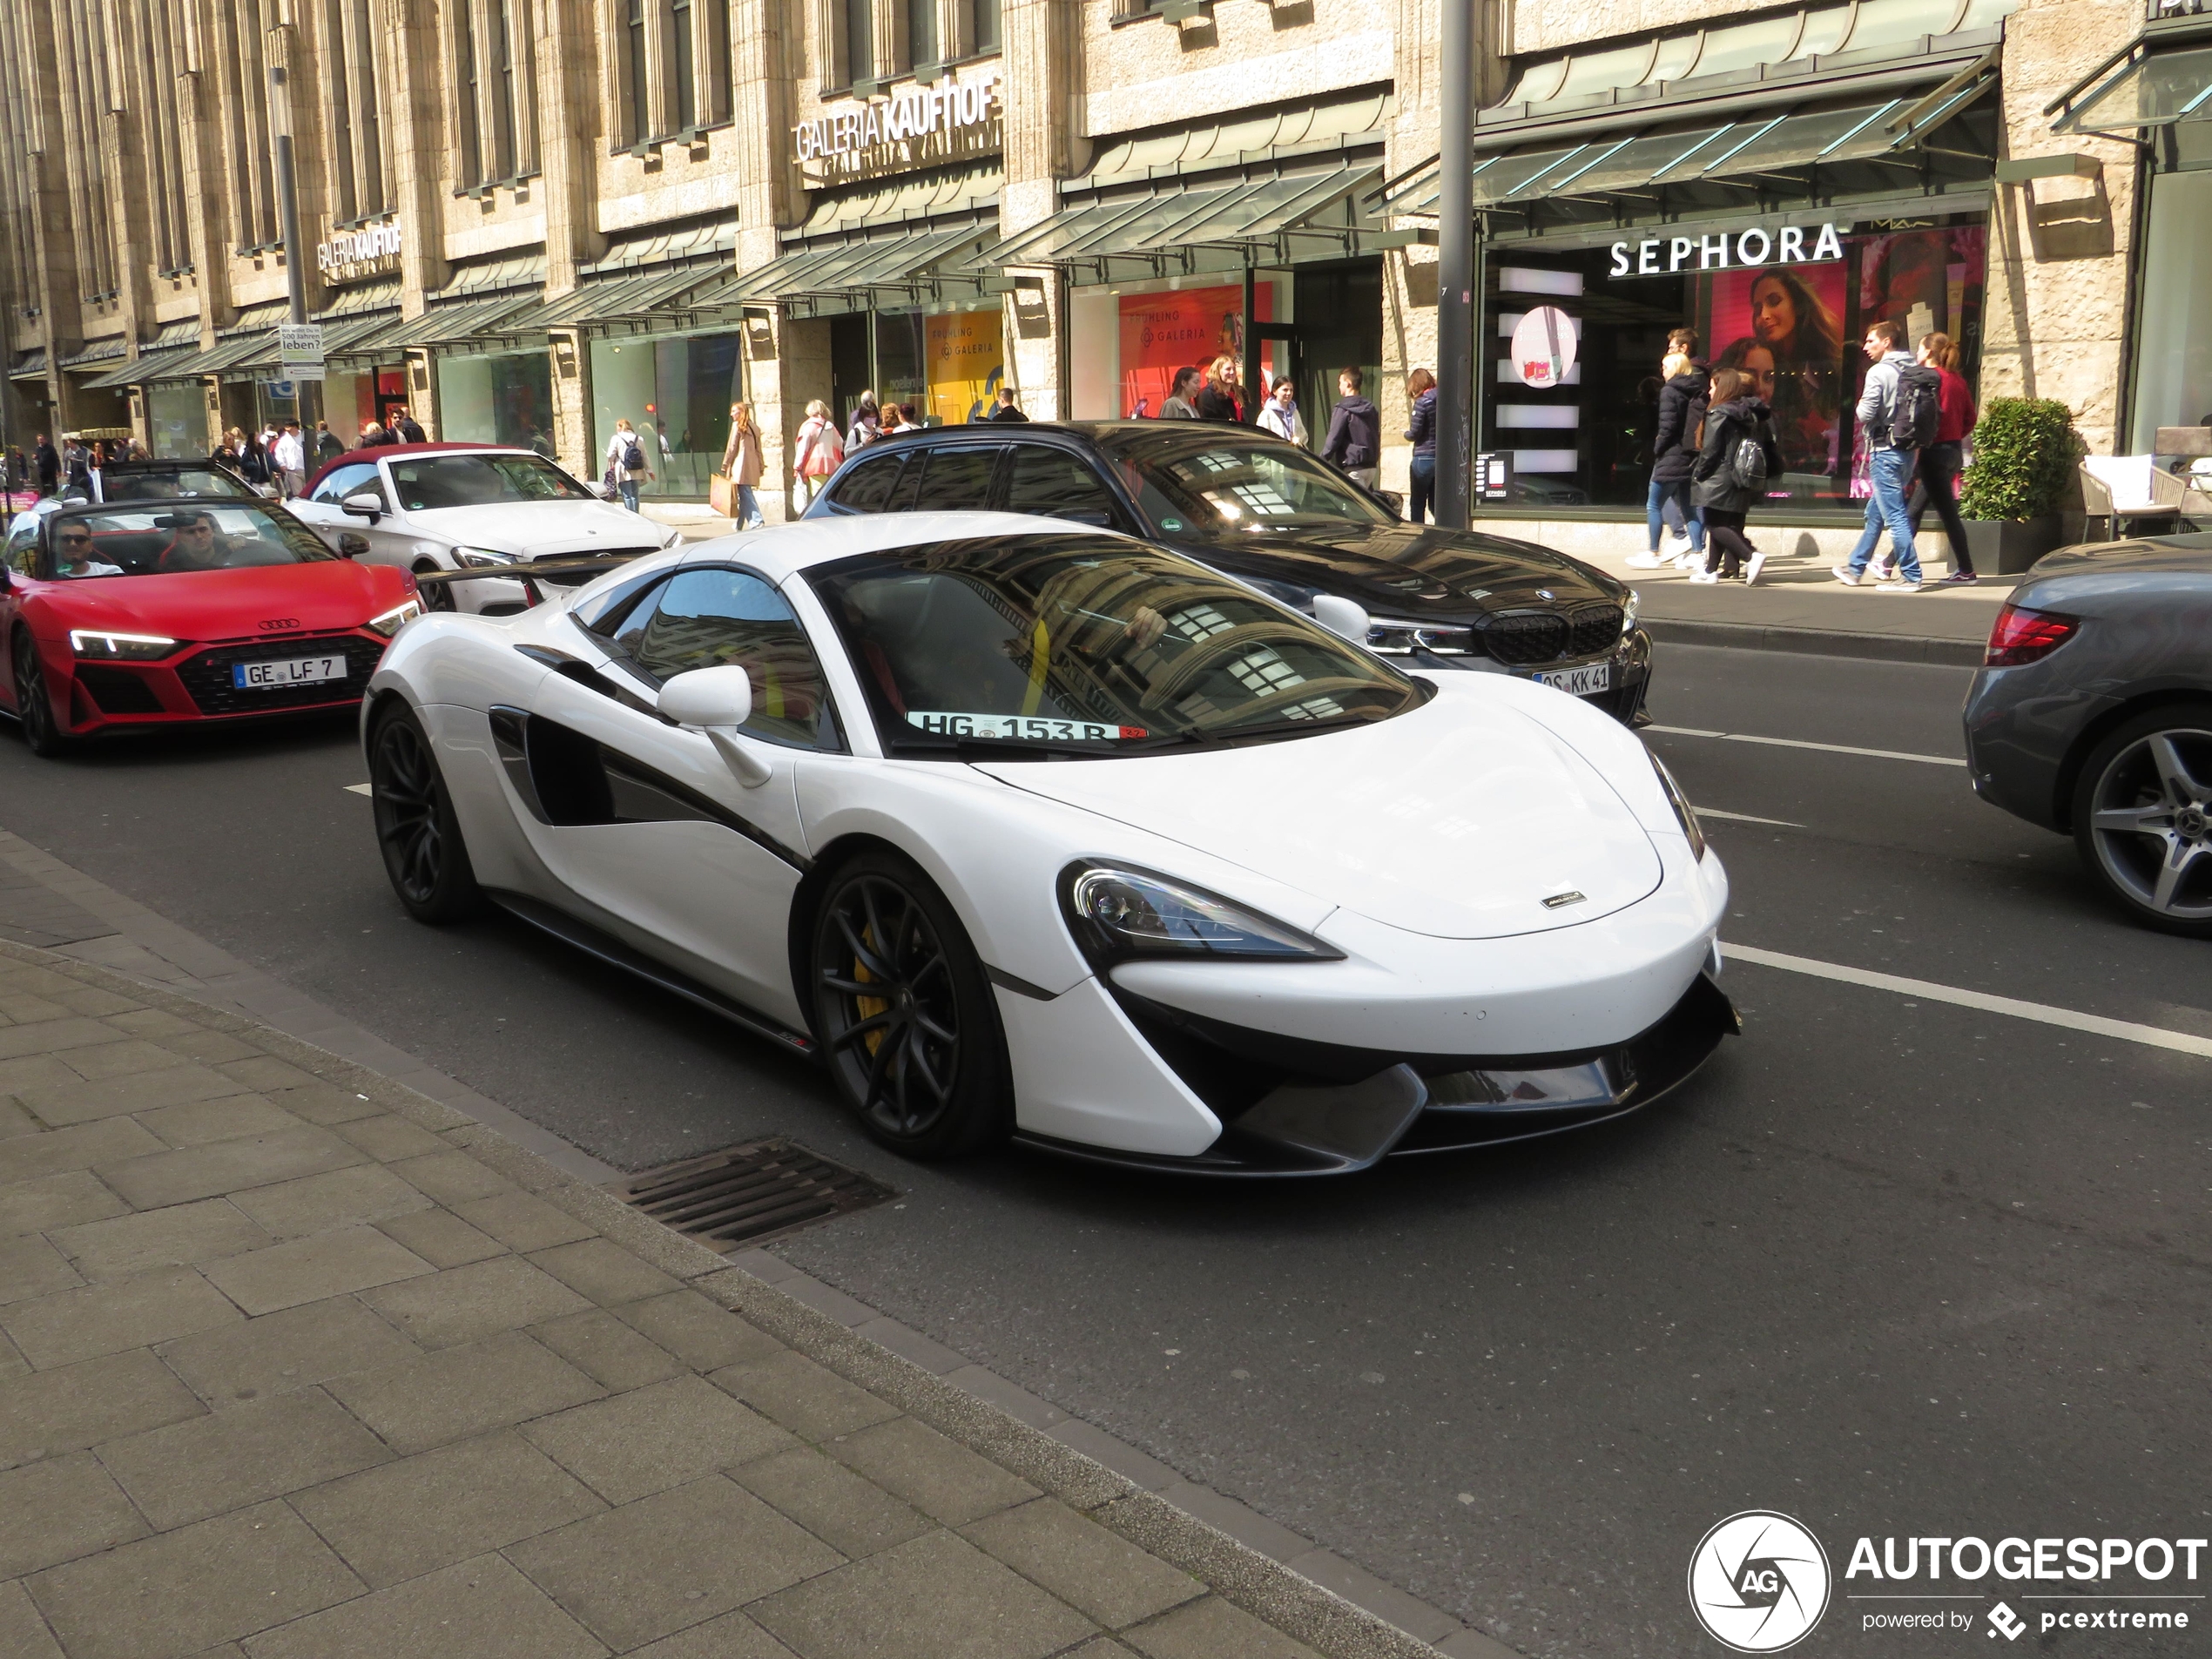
x=427 y=482
x=1206 y=480
x=153 y=539
x=1076 y=645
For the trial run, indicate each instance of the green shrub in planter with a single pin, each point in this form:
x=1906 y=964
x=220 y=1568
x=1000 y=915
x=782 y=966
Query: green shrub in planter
x=2025 y=450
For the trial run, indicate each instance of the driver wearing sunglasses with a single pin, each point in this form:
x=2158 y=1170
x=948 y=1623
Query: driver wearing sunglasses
x=73 y=555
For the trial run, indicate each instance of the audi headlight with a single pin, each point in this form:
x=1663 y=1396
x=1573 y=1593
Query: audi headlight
x=1684 y=811
x=396 y=618
x=99 y=642
x=1117 y=912
x=477 y=557
x=1629 y=609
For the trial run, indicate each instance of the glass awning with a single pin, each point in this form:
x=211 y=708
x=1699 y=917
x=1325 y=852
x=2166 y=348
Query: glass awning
x=1251 y=217
x=904 y=262
x=159 y=365
x=627 y=295
x=451 y=323
x=2157 y=91
x=1745 y=153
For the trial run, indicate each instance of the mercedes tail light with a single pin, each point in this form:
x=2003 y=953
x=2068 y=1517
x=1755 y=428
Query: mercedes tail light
x=2025 y=636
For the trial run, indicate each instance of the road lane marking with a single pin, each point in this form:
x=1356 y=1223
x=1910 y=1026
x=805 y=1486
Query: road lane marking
x=1746 y=818
x=1799 y=743
x=360 y=789
x=2126 y=1030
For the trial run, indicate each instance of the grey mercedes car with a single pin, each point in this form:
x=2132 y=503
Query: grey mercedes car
x=2091 y=716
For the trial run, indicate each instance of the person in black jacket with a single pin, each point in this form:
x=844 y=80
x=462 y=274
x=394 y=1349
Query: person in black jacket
x=1673 y=452
x=1421 y=432
x=1218 y=399
x=1736 y=413
x=1354 y=443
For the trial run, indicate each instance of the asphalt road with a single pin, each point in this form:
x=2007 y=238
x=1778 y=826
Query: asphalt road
x=1891 y=1267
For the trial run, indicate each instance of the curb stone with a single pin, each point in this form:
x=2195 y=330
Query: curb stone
x=1815 y=641
x=1246 y=1578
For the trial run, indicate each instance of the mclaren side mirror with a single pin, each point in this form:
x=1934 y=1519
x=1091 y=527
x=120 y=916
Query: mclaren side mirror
x=353 y=545
x=1341 y=617
x=363 y=505
x=717 y=701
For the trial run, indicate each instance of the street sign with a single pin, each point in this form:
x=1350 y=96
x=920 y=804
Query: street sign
x=299 y=350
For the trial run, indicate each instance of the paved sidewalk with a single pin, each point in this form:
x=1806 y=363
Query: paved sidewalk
x=295 y=1362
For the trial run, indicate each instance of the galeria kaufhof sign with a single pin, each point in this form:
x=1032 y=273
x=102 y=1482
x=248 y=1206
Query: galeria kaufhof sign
x=921 y=124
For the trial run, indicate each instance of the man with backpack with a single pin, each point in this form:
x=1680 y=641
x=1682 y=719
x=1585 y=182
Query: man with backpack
x=1898 y=411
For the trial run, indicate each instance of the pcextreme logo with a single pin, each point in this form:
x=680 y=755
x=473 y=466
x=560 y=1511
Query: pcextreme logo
x=1758 y=1582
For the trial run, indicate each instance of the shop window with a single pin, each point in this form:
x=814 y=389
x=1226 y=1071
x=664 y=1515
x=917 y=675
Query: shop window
x=676 y=391
x=1571 y=343
x=1055 y=484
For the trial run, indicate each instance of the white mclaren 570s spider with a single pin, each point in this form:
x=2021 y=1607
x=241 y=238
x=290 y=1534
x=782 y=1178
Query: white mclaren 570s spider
x=1024 y=828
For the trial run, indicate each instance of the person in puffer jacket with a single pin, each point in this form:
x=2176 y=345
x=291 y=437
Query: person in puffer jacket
x=1674 y=453
x=1736 y=412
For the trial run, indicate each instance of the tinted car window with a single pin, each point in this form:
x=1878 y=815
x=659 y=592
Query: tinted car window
x=868 y=485
x=1058 y=485
x=959 y=480
x=429 y=482
x=354 y=479
x=909 y=485
x=715 y=618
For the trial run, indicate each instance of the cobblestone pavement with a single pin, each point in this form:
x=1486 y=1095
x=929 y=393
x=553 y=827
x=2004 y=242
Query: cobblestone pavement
x=297 y=1363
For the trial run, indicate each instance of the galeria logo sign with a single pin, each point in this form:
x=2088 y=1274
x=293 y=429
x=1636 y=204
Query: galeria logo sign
x=1758 y=1582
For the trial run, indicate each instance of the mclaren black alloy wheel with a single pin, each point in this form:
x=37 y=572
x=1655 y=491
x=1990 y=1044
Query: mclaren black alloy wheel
x=905 y=1014
x=2142 y=817
x=42 y=732
x=416 y=826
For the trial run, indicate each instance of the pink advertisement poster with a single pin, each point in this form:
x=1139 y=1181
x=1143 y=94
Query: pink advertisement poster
x=1162 y=332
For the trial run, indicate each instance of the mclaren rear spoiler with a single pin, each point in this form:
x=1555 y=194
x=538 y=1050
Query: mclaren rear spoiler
x=436 y=586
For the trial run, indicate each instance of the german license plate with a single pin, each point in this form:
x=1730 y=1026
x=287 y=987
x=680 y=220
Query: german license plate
x=287 y=671
x=1578 y=682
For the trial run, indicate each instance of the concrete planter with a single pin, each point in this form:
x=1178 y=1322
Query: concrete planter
x=2008 y=546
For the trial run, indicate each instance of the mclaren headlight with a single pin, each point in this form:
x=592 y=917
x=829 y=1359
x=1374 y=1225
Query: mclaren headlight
x=394 y=619
x=1117 y=913
x=476 y=559
x=1684 y=811
x=99 y=643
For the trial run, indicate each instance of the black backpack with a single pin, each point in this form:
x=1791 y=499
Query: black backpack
x=633 y=456
x=1919 y=407
x=1746 y=464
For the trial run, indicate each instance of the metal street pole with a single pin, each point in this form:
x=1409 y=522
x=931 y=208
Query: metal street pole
x=295 y=275
x=1455 y=268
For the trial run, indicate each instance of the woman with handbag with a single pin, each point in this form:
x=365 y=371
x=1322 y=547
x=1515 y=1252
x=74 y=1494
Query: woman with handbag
x=741 y=465
x=1737 y=454
x=820 y=453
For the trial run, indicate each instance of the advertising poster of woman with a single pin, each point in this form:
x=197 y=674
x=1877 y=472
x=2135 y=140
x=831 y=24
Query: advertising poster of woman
x=1783 y=326
x=1162 y=332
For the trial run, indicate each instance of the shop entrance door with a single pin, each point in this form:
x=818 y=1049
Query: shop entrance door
x=848 y=366
x=1338 y=308
x=1276 y=350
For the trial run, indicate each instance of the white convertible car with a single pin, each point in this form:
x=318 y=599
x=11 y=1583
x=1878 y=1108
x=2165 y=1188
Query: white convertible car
x=1029 y=829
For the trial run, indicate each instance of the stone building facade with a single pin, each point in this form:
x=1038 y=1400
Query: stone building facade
x=525 y=218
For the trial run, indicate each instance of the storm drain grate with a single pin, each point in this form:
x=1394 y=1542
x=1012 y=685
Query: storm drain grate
x=745 y=1194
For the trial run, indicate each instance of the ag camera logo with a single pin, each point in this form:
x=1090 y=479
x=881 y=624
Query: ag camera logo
x=1758 y=1582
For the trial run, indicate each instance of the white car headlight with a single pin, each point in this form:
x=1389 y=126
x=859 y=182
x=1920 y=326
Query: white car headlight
x=477 y=557
x=394 y=619
x=1117 y=912
x=99 y=642
x=1634 y=603
x=1683 y=811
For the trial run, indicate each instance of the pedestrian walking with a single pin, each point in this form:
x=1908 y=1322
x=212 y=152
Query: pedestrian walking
x=404 y=427
x=1354 y=443
x=1279 y=414
x=1900 y=411
x=49 y=461
x=1683 y=398
x=741 y=464
x=77 y=465
x=1177 y=405
x=1005 y=409
x=290 y=459
x=820 y=452
x=1221 y=398
x=253 y=464
x=374 y=434
x=1420 y=472
x=899 y=417
x=867 y=423
x=328 y=445
x=627 y=462
x=1937 y=482
x=1737 y=454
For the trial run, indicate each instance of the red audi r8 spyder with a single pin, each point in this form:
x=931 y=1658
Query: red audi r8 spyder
x=135 y=614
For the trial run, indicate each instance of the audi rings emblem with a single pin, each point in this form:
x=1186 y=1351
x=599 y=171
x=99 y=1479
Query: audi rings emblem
x=276 y=624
